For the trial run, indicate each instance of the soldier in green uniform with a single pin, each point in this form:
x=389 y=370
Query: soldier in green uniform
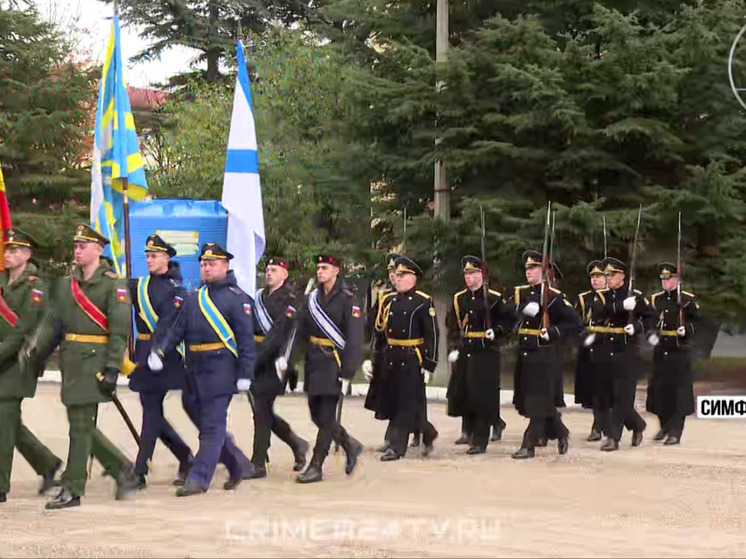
x=92 y=311
x=23 y=297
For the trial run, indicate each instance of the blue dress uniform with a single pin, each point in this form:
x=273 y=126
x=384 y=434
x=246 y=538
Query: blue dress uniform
x=273 y=325
x=217 y=328
x=333 y=352
x=474 y=385
x=411 y=348
x=536 y=387
x=617 y=365
x=584 y=377
x=670 y=390
x=153 y=297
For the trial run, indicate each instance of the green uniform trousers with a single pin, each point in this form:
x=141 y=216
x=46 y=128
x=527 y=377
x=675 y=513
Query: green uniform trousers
x=14 y=434
x=86 y=439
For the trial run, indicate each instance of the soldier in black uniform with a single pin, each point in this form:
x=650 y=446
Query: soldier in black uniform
x=153 y=298
x=535 y=387
x=217 y=328
x=670 y=391
x=584 y=376
x=332 y=324
x=410 y=356
x=374 y=369
x=474 y=328
x=619 y=315
x=276 y=306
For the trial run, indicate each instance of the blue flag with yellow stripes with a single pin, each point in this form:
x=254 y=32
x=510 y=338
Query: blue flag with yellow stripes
x=116 y=155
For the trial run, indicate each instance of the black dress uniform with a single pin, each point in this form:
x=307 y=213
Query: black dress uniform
x=215 y=363
x=153 y=297
x=411 y=348
x=616 y=361
x=536 y=387
x=326 y=364
x=271 y=333
x=377 y=335
x=474 y=386
x=670 y=390
x=584 y=378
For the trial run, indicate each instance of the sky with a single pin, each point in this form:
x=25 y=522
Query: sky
x=86 y=21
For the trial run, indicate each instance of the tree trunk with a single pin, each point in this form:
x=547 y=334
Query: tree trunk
x=213 y=54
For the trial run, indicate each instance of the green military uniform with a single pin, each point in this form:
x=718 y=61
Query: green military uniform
x=88 y=350
x=21 y=304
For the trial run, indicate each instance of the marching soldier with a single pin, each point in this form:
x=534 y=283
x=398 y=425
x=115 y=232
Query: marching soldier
x=23 y=297
x=275 y=307
x=91 y=321
x=670 y=391
x=374 y=370
x=153 y=298
x=410 y=356
x=622 y=315
x=539 y=330
x=474 y=327
x=584 y=374
x=331 y=322
x=216 y=325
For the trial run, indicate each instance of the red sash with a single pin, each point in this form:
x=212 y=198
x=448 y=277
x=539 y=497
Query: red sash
x=93 y=312
x=6 y=312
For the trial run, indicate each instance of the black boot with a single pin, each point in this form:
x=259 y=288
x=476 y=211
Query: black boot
x=140 y=482
x=259 y=472
x=352 y=447
x=594 y=436
x=300 y=449
x=384 y=447
x=429 y=446
x=190 y=488
x=476 y=450
x=562 y=445
x=463 y=439
x=660 y=435
x=312 y=473
x=523 y=453
x=636 y=438
x=415 y=441
x=126 y=485
x=672 y=439
x=47 y=479
x=63 y=500
x=542 y=441
x=497 y=433
x=183 y=473
x=610 y=445
x=390 y=455
x=3 y=497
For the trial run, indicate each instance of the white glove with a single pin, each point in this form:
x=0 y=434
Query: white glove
x=345 y=385
x=281 y=365
x=630 y=329
x=453 y=356
x=155 y=362
x=653 y=339
x=368 y=369
x=630 y=303
x=544 y=334
x=243 y=385
x=681 y=331
x=589 y=339
x=490 y=334
x=426 y=375
x=531 y=309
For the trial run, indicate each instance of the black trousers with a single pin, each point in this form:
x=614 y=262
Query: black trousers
x=324 y=415
x=400 y=434
x=266 y=422
x=541 y=427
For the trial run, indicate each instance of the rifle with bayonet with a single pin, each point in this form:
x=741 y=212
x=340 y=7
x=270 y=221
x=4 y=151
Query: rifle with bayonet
x=633 y=264
x=545 y=271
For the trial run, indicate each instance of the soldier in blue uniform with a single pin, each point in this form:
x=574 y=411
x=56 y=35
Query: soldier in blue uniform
x=332 y=324
x=217 y=328
x=620 y=315
x=153 y=298
x=536 y=386
x=410 y=356
x=275 y=306
x=475 y=322
x=671 y=390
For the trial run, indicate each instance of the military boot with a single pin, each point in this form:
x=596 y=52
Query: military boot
x=127 y=485
x=47 y=479
x=63 y=500
x=300 y=449
x=312 y=473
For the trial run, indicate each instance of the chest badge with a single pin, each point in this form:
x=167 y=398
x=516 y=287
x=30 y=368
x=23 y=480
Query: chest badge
x=121 y=295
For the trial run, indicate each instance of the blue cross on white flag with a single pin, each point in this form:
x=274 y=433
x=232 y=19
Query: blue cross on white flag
x=242 y=193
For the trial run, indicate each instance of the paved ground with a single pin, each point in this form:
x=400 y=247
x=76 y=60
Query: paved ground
x=650 y=501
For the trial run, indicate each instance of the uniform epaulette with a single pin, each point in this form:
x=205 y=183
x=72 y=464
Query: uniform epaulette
x=604 y=290
x=687 y=293
x=460 y=293
x=496 y=293
x=522 y=286
x=584 y=293
x=555 y=290
x=32 y=278
x=237 y=290
x=389 y=294
x=348 y=292
x=637 y=291
x=423 y=294
x=110 y=274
